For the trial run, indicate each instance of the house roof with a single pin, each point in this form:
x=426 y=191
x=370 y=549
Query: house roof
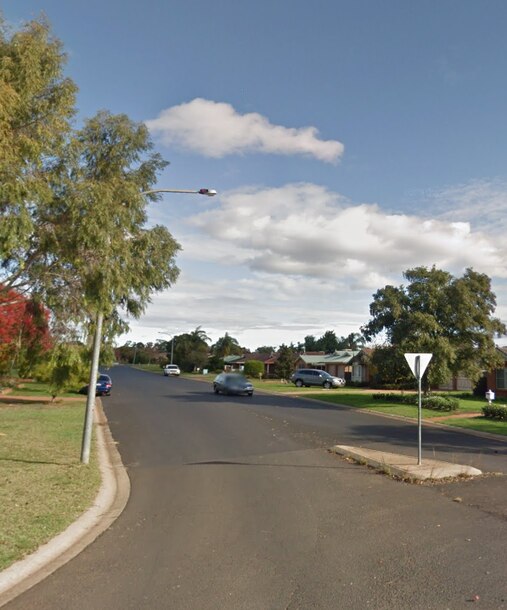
x=232 y=358
x=338 y=357
x=266 y=358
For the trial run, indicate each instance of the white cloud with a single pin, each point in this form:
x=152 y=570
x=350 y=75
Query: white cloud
x=483 y=203
x=306 y=230
x=271 y=265
x=216 y=129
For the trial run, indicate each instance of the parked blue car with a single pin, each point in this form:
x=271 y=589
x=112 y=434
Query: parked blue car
x=102 y=388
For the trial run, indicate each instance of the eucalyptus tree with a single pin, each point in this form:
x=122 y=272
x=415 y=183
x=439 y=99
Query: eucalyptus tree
x=37 y=103
x=451 y=317
x=110 y=261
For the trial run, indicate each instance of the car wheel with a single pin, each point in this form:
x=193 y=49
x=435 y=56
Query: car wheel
x=215 y=389
x=250 y=393
x=299 y=383
x=326 y=385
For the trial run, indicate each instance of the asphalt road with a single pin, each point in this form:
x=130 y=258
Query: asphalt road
x=236 y=504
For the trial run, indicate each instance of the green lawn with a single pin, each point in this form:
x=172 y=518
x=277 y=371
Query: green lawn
x=480 y=424
x=33 y=388
x=44 y=486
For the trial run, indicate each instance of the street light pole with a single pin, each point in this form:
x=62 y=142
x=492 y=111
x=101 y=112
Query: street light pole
x=90 y=398
x=97 y=339
x=160 y=332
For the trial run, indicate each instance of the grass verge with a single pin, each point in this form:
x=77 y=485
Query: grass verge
x=44 y=487
x=480 y=424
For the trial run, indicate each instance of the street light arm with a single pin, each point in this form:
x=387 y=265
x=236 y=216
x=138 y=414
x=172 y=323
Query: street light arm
x=207 y=192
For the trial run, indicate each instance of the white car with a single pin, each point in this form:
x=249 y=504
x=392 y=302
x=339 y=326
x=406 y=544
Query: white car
x=171 y=370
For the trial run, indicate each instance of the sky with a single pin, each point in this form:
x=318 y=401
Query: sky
x=348 y=141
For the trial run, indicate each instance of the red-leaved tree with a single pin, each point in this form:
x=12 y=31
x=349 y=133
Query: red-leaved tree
x=24 y=331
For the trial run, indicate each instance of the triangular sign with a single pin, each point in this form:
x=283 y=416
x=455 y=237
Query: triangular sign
x=418 y=363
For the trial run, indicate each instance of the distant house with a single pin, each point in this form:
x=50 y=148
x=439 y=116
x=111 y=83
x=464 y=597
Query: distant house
x=234 y=362
x=237 y=363
x=497 y=379
x=349 y=364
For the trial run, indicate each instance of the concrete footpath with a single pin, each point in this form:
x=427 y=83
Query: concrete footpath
x=405 y=466
x=107 y=507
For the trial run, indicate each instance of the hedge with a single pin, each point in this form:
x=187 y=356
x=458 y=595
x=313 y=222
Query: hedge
x=495 y=412
x=436 y=403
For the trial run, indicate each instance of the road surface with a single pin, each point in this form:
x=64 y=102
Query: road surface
x=237 y=504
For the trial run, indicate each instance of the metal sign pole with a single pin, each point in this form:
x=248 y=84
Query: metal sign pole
x=418 y=364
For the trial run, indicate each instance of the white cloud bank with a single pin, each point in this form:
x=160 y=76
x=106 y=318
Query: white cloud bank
x=216 y=129
x=306 y=230
x=272 y=265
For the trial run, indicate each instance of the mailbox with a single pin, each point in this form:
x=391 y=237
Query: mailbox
x=490 y=395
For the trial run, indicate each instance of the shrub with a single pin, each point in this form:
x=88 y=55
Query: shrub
x=495 y=412
x=441 y=403
x=388 y=397
x=436 y=403
x=253 y=368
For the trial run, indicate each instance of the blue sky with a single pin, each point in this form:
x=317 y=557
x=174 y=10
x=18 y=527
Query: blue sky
x=348 y=141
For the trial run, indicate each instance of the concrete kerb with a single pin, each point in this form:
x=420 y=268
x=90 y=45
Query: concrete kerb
x=405 y=466
x=107 y=507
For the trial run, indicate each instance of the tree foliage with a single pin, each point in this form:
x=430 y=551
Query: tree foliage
x=450 y=317
x=66 y=367
x=24 y=331
x=105 y=258
x=266 y=349
x=389 y=368
x=329 y=342
x=72 y=209
x=286 y=361
x=226 y=346
x=36 y=105
x=73 y=218
x=191 y=350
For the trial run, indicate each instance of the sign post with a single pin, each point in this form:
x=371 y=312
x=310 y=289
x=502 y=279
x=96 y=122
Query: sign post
x=418 y=364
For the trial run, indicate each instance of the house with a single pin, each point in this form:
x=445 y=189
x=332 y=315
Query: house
x=349 y=364
x=237 y=363
x=497 y=379
x=234 y=362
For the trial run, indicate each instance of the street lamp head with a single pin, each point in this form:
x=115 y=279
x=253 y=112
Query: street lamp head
x=208 y=192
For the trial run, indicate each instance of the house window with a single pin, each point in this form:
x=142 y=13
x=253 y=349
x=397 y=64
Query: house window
x=501 y=379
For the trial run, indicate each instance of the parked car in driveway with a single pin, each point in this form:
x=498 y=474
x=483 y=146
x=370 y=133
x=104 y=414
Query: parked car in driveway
x=171 y=370
x=309 y=377
x=102 y=387
x=232 y=383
